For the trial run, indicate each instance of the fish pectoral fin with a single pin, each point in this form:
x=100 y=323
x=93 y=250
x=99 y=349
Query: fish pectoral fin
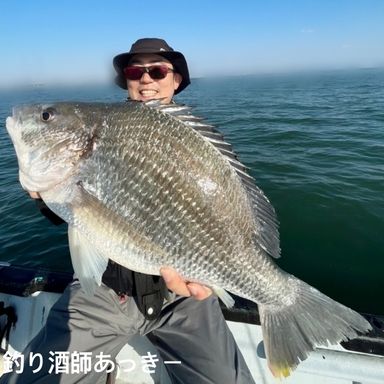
x=88 y=263
x=224 y=296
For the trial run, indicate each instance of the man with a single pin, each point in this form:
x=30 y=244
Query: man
x=190 y=328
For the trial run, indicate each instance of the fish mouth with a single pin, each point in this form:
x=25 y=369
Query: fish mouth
x=38 y=180
x=13 y=124
x=15 y=135
x=10 y=123
x=33 y=174
x=27 y=183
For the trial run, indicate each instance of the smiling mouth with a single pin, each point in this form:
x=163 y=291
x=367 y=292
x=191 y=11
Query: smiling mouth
x=148 y=93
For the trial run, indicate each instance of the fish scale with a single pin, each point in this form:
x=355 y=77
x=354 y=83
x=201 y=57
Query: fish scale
x=145 y=179
x=150 y=185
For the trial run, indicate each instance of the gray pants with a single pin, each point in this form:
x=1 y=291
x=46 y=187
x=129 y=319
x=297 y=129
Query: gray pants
x=190 y=331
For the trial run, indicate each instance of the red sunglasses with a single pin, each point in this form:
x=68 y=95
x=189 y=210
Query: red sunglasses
x=156 y=72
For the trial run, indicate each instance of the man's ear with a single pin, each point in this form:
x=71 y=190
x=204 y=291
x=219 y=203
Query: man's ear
x=177 y=78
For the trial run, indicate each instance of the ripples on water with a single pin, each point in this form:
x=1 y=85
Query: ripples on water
x=314 y=143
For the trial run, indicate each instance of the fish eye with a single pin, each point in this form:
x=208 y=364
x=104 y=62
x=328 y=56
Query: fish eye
x=48 y=114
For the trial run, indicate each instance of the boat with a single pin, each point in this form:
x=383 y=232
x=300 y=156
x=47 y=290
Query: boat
x=27 y=294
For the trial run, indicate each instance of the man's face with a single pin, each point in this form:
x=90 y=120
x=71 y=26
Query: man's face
x=147 y=88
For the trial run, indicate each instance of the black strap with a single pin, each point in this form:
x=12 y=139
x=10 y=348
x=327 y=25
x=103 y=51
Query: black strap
x=147 y=290
x=5 y=326
x=118 y=278
x=150 y=294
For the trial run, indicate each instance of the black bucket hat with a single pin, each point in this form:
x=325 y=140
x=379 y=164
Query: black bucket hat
x=158 y=47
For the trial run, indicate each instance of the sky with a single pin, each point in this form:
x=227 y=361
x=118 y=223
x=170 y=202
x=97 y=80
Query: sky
x=74 y=41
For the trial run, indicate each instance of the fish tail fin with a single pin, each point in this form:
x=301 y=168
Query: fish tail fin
x=293 y=329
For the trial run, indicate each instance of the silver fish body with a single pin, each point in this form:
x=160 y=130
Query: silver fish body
x=149 y=185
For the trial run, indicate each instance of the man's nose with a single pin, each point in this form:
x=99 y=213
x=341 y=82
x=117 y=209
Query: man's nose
x=145 y=78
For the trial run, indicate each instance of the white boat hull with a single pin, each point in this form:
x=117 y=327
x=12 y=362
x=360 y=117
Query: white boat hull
x=333 y=365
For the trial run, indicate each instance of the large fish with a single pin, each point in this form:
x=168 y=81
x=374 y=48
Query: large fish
x=149 y=185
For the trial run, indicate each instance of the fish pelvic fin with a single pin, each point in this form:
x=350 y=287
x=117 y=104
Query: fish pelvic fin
x=88 y=264
x=292 y=329
x=224 y=296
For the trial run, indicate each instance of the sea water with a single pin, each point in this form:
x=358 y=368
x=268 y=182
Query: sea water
x=314 y=143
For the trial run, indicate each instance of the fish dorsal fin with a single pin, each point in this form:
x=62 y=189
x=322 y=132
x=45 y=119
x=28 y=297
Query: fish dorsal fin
x=266 y=231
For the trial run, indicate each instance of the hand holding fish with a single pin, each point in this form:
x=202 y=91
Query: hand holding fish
x=176 y=284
